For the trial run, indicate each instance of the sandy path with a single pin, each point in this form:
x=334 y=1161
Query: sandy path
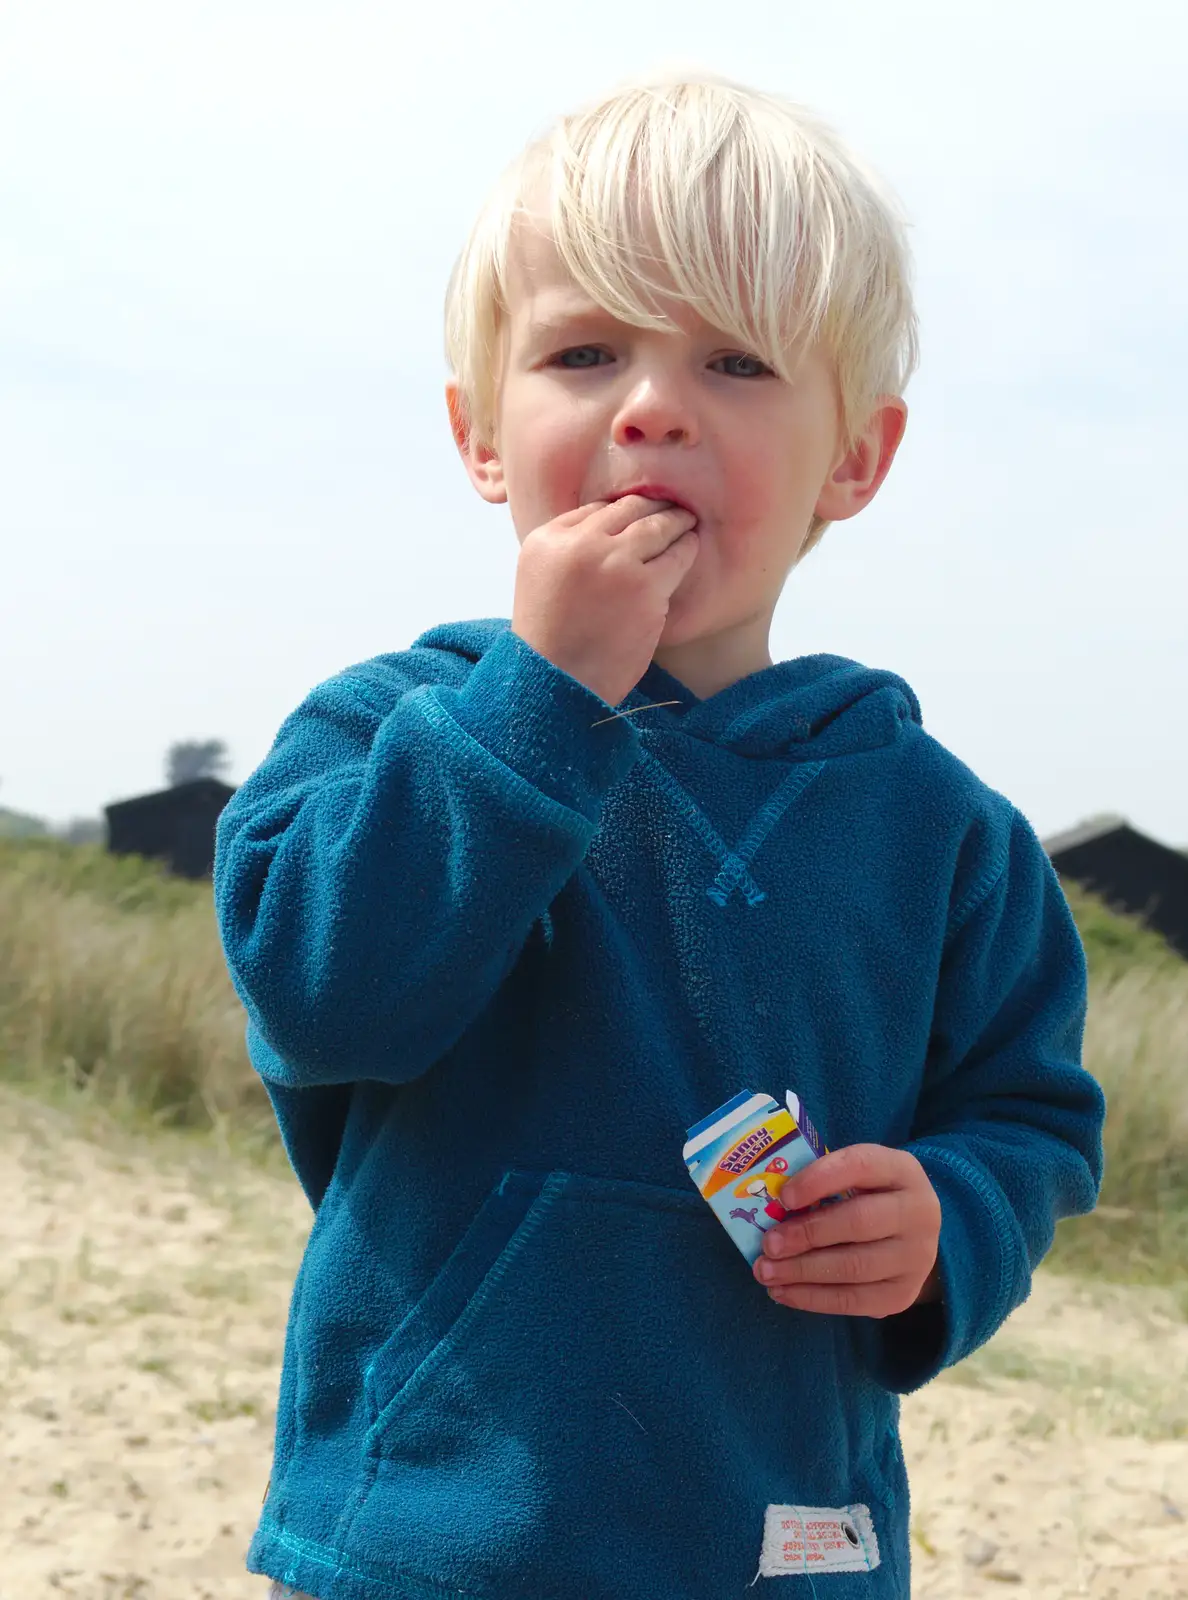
x=142 y=1306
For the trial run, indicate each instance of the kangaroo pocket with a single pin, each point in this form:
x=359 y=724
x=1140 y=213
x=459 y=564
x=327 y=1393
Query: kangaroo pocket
x=595 y=1371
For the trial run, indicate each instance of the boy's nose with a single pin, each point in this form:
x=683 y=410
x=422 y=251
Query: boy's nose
x=654 y=415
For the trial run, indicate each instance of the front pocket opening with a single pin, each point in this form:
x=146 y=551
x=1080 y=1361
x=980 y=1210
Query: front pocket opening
x=491 y=1231
x=502 y=1226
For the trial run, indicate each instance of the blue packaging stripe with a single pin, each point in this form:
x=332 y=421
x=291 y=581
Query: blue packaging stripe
x=722 y=1111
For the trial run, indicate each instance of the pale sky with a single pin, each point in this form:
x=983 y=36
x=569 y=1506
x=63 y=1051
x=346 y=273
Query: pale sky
x=225 y=469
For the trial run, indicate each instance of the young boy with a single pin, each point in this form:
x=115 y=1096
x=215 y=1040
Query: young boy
x=514 y=908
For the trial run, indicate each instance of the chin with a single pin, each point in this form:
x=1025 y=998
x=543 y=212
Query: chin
x=690 y=615
x=677 y=627
x=685 y=627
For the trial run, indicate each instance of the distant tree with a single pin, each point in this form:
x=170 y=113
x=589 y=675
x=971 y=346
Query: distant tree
x=19 y=825
x=191 y=758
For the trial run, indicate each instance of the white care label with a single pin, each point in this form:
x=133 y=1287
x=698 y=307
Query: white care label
x=813 y=1539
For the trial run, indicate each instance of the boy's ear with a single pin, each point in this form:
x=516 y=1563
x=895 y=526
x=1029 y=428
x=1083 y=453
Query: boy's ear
x=483 y=466
x=857 y=477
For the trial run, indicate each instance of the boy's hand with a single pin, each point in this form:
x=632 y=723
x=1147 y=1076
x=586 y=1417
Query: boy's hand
x=593 y=587
x=869 y=1256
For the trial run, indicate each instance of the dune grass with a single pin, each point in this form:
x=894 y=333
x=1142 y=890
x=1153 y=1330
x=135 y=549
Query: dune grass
x=113 y=989
x=1136 y=1046
x=112 y=983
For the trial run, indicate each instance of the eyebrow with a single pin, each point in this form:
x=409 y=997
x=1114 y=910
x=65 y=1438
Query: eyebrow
x=541 y=329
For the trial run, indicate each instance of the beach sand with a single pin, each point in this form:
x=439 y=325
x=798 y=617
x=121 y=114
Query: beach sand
x=143 y=1293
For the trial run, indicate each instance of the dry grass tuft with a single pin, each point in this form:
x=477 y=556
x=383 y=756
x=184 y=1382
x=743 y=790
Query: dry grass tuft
x=131 y=1006
x=1136 y=1046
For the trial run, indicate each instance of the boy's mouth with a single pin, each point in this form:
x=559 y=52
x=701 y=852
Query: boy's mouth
x=655 y=491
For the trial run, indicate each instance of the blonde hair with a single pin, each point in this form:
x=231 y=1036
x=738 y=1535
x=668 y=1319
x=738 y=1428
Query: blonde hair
x=741 y=205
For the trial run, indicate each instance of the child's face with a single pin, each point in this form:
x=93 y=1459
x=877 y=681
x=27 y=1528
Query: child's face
x=590 y=407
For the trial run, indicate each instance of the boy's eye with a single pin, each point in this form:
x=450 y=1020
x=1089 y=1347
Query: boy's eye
x=579 y=357
x=758 y=369
x=583 y=356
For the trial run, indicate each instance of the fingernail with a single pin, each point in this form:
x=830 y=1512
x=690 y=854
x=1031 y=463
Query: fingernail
x=766 y=1270
x=774 y=1245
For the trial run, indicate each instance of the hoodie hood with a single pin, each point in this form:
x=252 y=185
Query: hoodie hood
x=805 y=709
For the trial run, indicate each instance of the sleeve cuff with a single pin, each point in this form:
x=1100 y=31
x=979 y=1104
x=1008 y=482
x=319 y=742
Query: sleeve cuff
x=984 y=1275
x=544 y=725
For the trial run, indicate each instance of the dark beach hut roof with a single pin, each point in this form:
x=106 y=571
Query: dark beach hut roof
x=1129 y=870
x=174 y=825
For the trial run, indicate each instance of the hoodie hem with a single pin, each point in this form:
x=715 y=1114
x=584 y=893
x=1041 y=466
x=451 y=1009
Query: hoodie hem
x=326 y=1573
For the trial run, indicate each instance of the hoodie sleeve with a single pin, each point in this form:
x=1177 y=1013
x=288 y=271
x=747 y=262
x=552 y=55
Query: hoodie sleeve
x=1009 y=1125
x=377 y=876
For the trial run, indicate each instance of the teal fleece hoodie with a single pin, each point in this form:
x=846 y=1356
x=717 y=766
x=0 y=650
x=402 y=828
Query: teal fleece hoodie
x=499 y=949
